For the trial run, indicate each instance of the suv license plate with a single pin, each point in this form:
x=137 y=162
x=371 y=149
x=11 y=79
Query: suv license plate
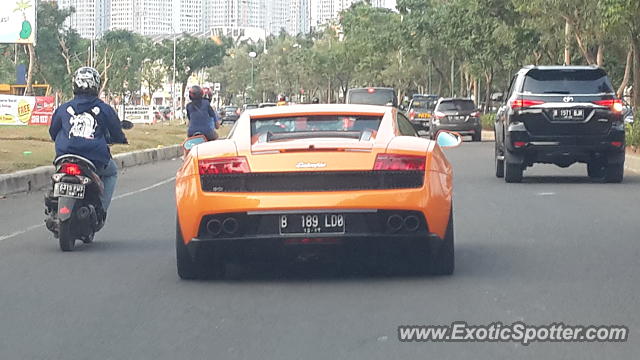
x=75 y=191
x=305 y=224
x=568 y=114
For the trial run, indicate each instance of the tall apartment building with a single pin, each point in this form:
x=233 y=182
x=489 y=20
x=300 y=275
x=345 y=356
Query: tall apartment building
x=323 y=11
x=146 y=17
x=90 y=18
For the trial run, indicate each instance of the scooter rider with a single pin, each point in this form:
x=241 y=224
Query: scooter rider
x=85 y=126
x=200 y=113
x=207 y=94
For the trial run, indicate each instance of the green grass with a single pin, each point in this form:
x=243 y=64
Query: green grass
x=26 y=147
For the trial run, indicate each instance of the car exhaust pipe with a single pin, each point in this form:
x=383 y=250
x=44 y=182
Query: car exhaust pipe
x=394 y=223
x=411 y=223
x=230 y=226
x=214 y=227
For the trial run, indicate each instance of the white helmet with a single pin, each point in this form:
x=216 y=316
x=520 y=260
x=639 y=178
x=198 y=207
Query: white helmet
x=86 y=80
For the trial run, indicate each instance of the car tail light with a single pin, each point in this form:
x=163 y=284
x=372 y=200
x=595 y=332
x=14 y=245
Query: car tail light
x=614 y=104
x=519 y=144
x=475 y=114
x=371 y=90
x=438 y=114
x=523 y=103
x=238 y=112
x=70 y=169
x=616 y=143
x=230 y=165
x=412 y=115
x=386 y=162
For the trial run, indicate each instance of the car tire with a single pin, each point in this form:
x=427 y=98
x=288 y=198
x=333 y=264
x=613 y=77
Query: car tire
x=512 y=170
x=614 y=173
x=200 y=267
x=443 y=260
x=499 y=162
x=606 y=173
x=476 y=137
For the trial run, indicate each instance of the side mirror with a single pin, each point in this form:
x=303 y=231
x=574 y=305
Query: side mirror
x=628 y=119
x=188 y=144
x=447 y=139
x=126 y=124
x=497 y=97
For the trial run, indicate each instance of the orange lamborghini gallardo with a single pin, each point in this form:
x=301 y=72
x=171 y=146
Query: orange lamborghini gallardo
x=306 y=181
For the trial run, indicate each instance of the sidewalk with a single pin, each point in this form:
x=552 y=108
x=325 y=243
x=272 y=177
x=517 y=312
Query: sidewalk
x=38 y=178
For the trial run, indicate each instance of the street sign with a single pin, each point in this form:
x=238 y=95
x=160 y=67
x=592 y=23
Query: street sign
x=216 y=86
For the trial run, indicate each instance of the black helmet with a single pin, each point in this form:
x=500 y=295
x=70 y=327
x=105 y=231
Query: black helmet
x=195 y=93
x=86 y=80
x=315 y=100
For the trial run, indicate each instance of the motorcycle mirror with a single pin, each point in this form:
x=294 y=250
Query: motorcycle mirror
x=126 y=124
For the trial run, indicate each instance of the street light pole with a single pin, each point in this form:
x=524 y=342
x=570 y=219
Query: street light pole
x=173 y=82
x=252 y=55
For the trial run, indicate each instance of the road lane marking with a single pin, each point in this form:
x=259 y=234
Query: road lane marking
x=546 y=193
x=33 y=227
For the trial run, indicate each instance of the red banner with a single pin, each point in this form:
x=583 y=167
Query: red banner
x=42 y=110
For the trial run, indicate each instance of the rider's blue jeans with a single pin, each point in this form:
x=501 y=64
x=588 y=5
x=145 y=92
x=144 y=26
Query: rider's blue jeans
x=109 y=176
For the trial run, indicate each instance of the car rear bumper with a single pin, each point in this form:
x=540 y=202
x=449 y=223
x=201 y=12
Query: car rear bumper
x=277 y=248
x=461 y=128
x=565 y=150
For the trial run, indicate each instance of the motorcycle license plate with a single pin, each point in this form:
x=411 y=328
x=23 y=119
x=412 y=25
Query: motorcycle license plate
x=75 y=191
x=305 y=224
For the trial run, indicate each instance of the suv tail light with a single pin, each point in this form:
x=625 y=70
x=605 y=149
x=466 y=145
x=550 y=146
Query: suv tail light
x=412 y=114
x=438 y=114
x=614 y=104
x=230 y=165
x=70 y=169
x=475 y=114
x=523 y=103
x=386 y=162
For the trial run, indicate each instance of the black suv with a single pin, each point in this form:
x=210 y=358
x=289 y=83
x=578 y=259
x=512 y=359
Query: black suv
x=456 y=114
x=560 y=115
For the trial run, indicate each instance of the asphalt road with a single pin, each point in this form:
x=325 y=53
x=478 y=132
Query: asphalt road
x=555 y=248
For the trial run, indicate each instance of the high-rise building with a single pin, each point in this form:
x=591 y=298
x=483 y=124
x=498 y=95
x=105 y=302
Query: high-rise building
x=323 y=11
x=90 y=18
x=146 y=17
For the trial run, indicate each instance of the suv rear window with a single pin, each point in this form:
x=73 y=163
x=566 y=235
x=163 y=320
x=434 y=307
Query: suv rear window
x=456 y=105
x=371 y=97
x=569 y=81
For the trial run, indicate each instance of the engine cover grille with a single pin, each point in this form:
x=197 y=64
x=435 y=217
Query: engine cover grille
x=309 y=181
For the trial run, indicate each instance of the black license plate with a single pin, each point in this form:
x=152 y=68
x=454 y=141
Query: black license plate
x=75 y=191
x=306 y=224
x=568 y=114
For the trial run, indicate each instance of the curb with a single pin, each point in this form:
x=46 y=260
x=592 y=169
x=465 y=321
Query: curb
x=38 y=178
x=631 y=162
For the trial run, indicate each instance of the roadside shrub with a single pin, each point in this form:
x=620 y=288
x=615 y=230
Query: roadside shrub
x=487 y=121
x=633 y=133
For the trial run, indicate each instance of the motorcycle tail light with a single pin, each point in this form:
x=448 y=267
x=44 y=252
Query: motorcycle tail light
x=70 y=169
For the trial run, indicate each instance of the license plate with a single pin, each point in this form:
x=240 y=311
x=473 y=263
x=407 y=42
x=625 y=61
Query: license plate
x=568 y=114
x=306 y=224
x=75 y=191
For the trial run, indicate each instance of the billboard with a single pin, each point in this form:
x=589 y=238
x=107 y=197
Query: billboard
x=18 y=22
x=26 y=110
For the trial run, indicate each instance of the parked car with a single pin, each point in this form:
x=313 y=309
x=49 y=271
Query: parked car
x=246 y=107
x=456 y=114
x=561 y=115
x=420 y=111
x=372 y=96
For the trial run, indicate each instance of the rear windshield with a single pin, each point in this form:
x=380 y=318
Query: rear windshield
x=230 y=109
x=315 y=124
x=424 y=103
x=567 y=82
x=372 y=97
x=251 y=107
x=457 y=105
